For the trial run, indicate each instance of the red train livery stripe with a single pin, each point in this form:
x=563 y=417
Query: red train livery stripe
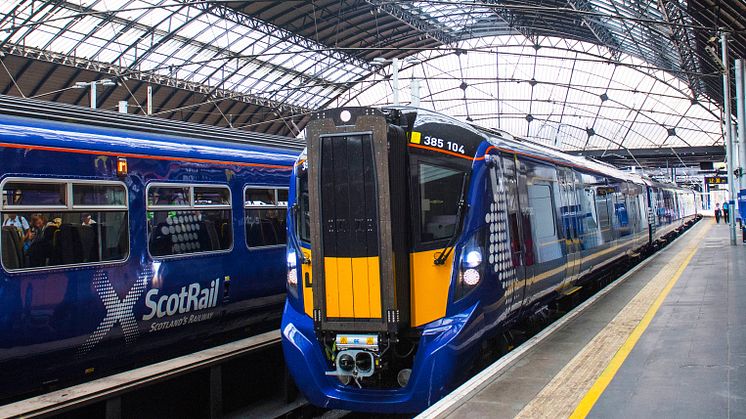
x=143 y=156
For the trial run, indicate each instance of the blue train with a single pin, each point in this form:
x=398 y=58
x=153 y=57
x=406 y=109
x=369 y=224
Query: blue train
x=414 y=239
x=125 y=239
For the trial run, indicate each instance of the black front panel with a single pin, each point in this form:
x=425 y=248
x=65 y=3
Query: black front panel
x=348 y=196
x=397 y=144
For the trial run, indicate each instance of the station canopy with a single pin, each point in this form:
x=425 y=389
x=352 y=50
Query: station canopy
x=573 y=74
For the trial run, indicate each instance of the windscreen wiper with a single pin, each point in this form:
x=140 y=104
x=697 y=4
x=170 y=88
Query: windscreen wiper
x=441 y=259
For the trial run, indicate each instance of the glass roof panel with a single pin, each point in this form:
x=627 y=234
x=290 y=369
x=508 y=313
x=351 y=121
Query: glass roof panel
x=577 y=100
x=189 y=42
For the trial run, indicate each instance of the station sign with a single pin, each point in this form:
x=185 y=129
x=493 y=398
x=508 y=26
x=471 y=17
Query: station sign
x=716 y=180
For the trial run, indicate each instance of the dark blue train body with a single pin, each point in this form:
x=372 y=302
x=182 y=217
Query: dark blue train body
x=122 y=246
x=416 y=241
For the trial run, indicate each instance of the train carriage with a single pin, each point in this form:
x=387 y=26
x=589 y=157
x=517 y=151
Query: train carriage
x=414 y=238
x=126 y=239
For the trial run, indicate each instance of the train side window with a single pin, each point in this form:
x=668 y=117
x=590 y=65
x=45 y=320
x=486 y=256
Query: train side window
x=188 y=219
x=543 y=222
x=204 y=196
x=303 y=215
x=265 y=210
x=35 y=193
x=58 y=223
x=94 y=194
x=168 y=196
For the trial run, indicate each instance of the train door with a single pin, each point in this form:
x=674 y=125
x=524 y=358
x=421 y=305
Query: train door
x=569 y=215
x=518 y=247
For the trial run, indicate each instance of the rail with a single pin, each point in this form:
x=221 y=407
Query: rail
x=110 y=388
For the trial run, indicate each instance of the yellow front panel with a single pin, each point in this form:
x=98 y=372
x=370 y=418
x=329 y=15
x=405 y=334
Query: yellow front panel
x=306 y=285
x=332 y=287
x=353 y=287
x=344 y=281
x=374 y=286
x=361 y=290
x=430 y=284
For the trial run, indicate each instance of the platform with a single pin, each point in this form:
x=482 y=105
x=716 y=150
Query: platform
x=666 y=340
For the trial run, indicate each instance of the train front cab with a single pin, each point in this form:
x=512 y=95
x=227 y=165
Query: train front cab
x=368 y=324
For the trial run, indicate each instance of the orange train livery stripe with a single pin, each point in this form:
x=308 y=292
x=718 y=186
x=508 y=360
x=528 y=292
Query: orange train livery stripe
x=142 y=156
x=450 y=153
x=534 y=156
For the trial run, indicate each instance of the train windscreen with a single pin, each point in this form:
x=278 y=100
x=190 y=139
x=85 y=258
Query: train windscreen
x=439 y=193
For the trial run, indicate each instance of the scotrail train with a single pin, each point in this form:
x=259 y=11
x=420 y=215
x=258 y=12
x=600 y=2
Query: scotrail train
x=414 y=238
x=127 y=238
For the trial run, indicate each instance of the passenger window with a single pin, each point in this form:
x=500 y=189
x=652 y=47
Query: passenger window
x=34 y=193
x=260 y=197
x=211 y=196
x=91 y=194
x=186 y=219
x=265 y=210
x=171 y=196
x=58 y=231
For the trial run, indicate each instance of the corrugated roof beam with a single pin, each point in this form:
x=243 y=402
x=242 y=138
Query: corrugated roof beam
x=146 y=76
x=266 y=28
x=431 y=29
x=602 y=33
x=685 y=42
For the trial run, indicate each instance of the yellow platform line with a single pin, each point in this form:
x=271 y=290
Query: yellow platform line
x=574 y=390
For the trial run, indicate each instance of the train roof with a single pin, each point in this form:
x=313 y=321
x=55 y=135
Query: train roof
x=26 y=121
x=505 y=141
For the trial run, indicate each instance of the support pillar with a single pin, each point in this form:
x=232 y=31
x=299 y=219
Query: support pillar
x=728 y=137
x=741 y=118
x=94 y=92
x=150 y=100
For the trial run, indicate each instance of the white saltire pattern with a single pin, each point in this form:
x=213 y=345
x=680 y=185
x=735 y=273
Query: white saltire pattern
x=117 y=311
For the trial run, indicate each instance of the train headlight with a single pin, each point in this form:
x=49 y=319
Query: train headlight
x=473 y=259
x=471 y=265
x=292 y=267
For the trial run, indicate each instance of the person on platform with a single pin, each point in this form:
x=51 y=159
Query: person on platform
x=717 y=213
x=726 y=212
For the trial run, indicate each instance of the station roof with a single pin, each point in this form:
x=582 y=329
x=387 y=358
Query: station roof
x=575 y=74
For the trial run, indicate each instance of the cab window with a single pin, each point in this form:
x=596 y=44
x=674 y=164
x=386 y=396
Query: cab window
x=439 y=189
